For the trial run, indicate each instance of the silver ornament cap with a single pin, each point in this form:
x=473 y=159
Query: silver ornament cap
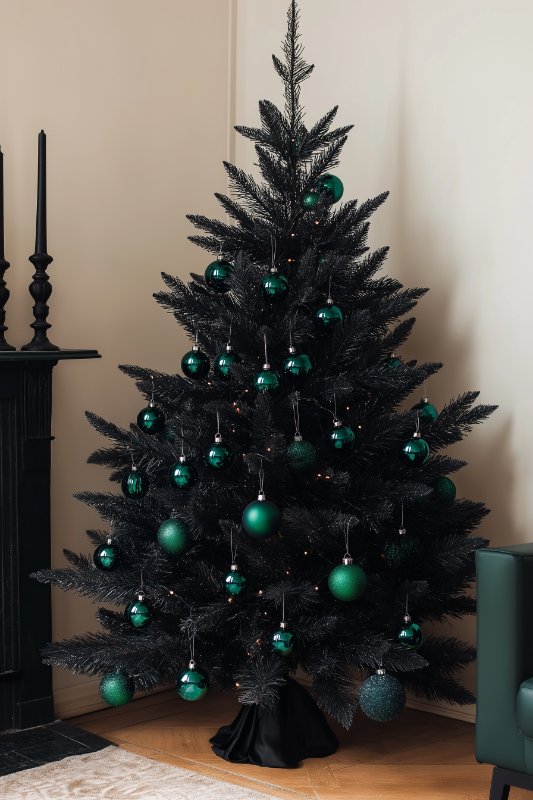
x=192 y=664
x=402 y=531
x=140 y=597
x=337 y=423
x=381 y=671
x=218 y=438
x=407 y=619
x=292 y=350
x=283 y=625
x=182 y=459
x=347 y=560
x=261 y=497
x=417 y=435
x=298 y=437
x=234 y=568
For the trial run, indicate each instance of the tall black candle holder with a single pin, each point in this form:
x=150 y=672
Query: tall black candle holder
x=40 y=290
x=4 y=297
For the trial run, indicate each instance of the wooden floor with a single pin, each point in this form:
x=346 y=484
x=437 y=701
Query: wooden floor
x=417 y=756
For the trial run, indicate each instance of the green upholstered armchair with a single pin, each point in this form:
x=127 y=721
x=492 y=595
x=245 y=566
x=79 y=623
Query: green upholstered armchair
x=504 y=722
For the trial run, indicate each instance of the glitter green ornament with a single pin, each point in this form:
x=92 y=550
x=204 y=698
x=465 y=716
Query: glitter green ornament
x=403 y=550
x=172 y=537
x=301 y=455
x=310 y=200
x=426 y=410
x=192 y=683
x=347 y=581
x=117 y=688
x=331 y=186
x=107 y=556
x=138 y=612
x=382 y=697
x=217 y=274
x=445 y=490
x=135 y=484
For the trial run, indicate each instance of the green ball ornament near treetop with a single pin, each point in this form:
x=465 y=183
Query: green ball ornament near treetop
x=192 y=683
x=261 y=518
x=341 y=438
x=275 y=286
x=301 y=455
x=331 y=186
x=347 y=581
x=223 y=363
x=426 y=410
x=382 y=697
x=183 y=475
x=217 y=455
x=195 y=364
x=135 y=484
x=393 y=362
x=445 y=490
x=216 y=275
x=117 y=688
x=310 y=200
x=282 y=641
x=151 y=419
x=415 y=451
x=107 y=556
x=234 y=581
x=138 y=612
x=172 y=537
x=267 y=380
x=403 y=550
x=410 y=634
x=329 y=316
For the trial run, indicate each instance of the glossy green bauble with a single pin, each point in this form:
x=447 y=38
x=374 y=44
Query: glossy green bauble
x=195 y=364
x=347 y=582
x=234 y=583
x=329 y=316
x=415 y=452
x=332 y=186
x=382 y=697
x=266 y=381
x=218 y=456
x=282 y=642
x=172 y=537
x=297 y=366
x=117 y=688
x=410 y=635
x=151 y=420
x=426 y=410
x=310 y=200
x=183 y=475
x=135 y=485
x=216 y=275
x=301 y=455
x=138 y=613
x=393 y=362
x=341 y=439
x=222 y=365
x=192 y=684
x=445 y=490
x=106 y=557
x=402 y=551
x=261 y=519
x=275 y=286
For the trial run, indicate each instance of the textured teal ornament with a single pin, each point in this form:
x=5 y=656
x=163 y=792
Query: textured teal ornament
x=151 y=419
x=234 y=581
x=192 y=683
x=445 y=490
x=310 y=200
x=301 y=455
x=135 y=484
x=138 y=612
x=329 y=316
x=341 y=438
x=216 y=275
x=267 y=380
x=393 y=362
x=426 y=410
x=297 y=366
x=183 y=475
x=382 y=697
x=403 y=550
x=410 y=634
x=261 y=518
x=217 y=455
x=117 y=688
x=282 y=641
x=107 y=556
x=172 y=537
x=332 y=186
x=275 y=286
x=415 y=451
x=347 y=581
x=223 y=363
x=195 y=364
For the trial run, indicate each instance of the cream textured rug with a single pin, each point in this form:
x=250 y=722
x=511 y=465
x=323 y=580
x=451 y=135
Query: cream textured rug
x=114 y=774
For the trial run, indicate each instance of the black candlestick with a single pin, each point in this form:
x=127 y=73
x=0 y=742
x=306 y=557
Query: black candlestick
x=4 y=291
x=41 y=288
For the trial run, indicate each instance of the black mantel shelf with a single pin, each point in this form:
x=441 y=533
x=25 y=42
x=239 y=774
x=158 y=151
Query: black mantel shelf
x=25 y=458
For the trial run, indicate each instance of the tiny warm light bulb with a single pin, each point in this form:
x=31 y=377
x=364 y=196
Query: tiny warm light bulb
x=305 y=553
x=260 y=591
x=316 y=588
x=237 y=685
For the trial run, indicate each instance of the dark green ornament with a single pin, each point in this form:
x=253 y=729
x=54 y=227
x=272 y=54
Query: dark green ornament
x=107 y=556
x=261 y=518
x=267 y=380
x=183 y=475
x=445 y=490
x=415 y=451
x=382 y=697
x=192 y=683
x=138 y=612
x=310 y=200
x=222 y=364
x=426 y=410
x=331 y=186
x=117 y=688
x=275 y=286
x=341 y=438
x=282 y=641
x=151 y=419
x=300 y=454
x=329 y=316
x=297 y=366
x=172 y=537
x=347 y=581
x=410 y=634
x=135 y=484
x=403 y=550
x=217 y=455
x=393 y=362
x=216 y=275
x=234 y=582
x=195 y=364
x=169 y=434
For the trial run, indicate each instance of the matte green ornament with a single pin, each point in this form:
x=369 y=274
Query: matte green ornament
x=426 y=410
x=393 y=362
x=382 y=697
x=135 y=484
x=234 y=582
x=415 y=451
x=117 y=688
x=310 y=200
x=216 y=275
x=297 y=366
x=267 y=380
x=275 y=286
x=223 y=362
x=403 y=550
x=332 y=186
x=151 y=419
x=261 y=518
x=329 y=316
x=410 y=634
x=172 y=537
x=183 y=475
x=445 y=489
x=347 y=581
x=282 y=641
x=341 y=438
x=107 y=556
x=300 y=454
x=195 y=364
x=192 y=683
x=217 y=455
x=138 y=612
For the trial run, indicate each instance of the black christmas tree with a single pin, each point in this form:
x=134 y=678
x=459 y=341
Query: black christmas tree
x=283 y=507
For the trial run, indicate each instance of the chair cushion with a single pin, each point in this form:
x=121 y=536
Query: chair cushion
x=524 y=708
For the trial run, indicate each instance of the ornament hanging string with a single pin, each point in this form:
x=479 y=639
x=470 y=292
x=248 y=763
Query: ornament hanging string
x=261 y=477
x=283 y=607
x=401 y=506
x=407 y=604
x=182 y=444
x=296 y=413
x=273 y=250
x=153 y=390
x=329 y=289
x=218 y=423
x=232 y=547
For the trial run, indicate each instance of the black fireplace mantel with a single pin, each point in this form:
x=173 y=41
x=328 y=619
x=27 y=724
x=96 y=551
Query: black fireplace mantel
x=25 y=614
